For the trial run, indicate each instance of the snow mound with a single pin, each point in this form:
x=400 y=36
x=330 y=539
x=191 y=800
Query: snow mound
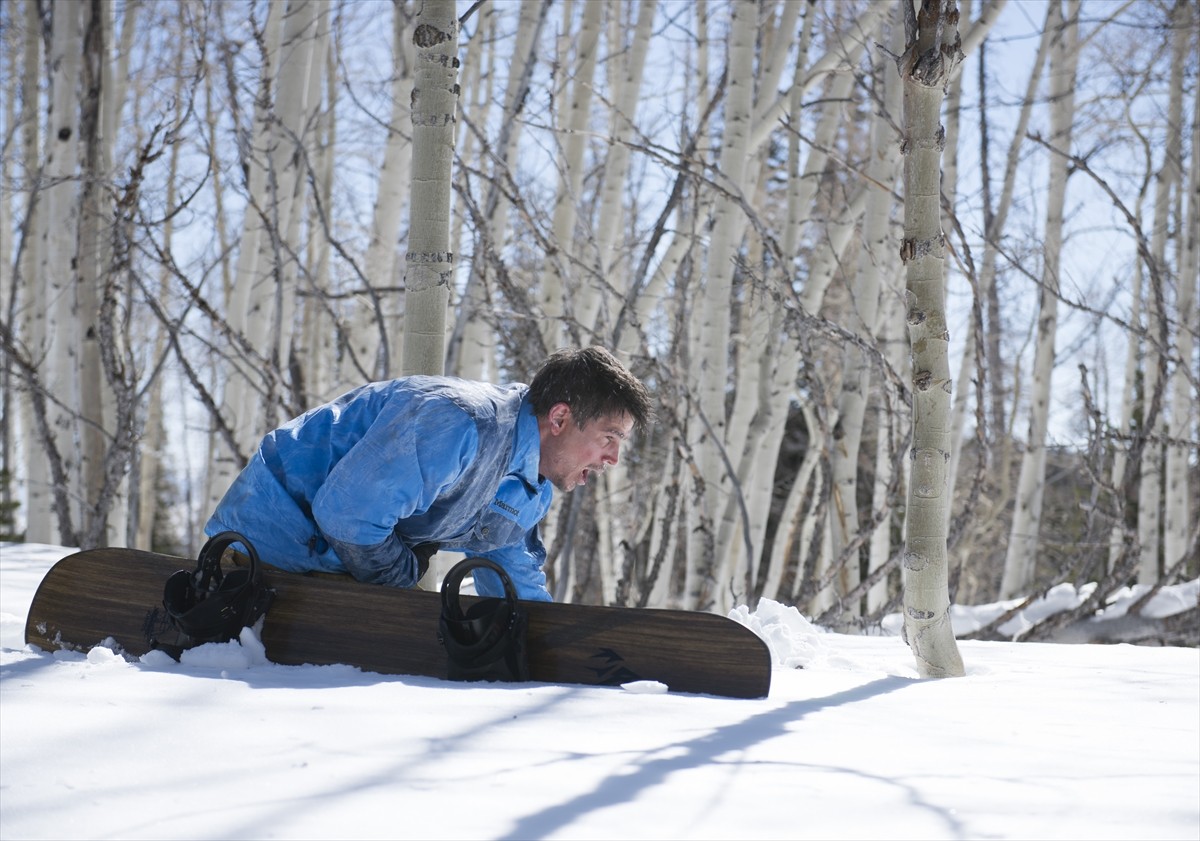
x=793 y=640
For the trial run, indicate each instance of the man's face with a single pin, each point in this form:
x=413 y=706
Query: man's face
x=572 y=453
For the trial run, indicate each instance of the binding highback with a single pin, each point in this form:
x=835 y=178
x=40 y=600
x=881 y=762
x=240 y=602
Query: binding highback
x=487 y=641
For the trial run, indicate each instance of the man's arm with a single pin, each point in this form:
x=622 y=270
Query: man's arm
x=524 y=564
x=397 y=469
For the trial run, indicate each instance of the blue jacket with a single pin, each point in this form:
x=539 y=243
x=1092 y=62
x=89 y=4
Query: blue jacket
x=352 y=485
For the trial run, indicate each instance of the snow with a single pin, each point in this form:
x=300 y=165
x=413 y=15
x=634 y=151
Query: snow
x=1038 y=741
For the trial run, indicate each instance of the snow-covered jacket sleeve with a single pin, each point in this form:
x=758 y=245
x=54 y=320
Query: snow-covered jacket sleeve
x=411 y=453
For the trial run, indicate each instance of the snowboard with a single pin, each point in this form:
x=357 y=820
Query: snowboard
x=323 y=619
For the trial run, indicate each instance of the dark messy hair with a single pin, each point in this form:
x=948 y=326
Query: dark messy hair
x=593 y=383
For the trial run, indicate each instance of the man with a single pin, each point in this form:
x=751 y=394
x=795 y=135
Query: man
x=375 y=482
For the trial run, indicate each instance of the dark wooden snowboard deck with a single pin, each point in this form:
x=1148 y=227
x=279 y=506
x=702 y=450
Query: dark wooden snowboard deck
x=90 y=596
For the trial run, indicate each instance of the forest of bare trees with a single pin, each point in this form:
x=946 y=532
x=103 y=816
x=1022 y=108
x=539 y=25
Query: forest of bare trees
x=876 y=343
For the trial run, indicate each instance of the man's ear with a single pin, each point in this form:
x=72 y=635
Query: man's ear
x=558 y=416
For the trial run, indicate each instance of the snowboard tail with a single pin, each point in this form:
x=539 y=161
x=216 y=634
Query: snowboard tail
x=90 y=596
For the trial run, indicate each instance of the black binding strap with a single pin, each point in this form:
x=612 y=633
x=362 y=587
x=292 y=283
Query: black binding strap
x=487 y=641
x=207 y=604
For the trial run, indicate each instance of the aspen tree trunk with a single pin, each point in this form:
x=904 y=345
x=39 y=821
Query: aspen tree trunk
x=767 y=117
x=317 y=324
x=882 y=170
x=297 y=145
x=758 y=440
x=429 y=263
x=31 y=293
x=556 y=285
x=1167 y=181
x=117 y=401
x=1021 y=555
x=744 y=451
x=218 y=471
x=1180 y=514
x=91 y=272
x=472 y=351
x=710 y=327
x=891 y=431
x=298 y=95
x=1116 y=538
x=263 y=292
x=755 y=425
x=154 y=438
x=496 y=204
x=774 y=354
x=376 y=336
x=237 y=407
x=995 y=221
x=928 y=61
x=616 y=505
x=11 y=67
x=962 y=385
x=59 y=230
x=626 y=69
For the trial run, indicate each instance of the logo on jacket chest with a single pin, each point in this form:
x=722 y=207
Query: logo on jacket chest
x=504 y=506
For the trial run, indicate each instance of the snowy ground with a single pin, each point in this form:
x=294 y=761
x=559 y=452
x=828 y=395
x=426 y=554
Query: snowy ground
x=1037 y=741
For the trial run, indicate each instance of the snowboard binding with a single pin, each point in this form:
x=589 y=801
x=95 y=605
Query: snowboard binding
x=488 y=640
x=208 y=605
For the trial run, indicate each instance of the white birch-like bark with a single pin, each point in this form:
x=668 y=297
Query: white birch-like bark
x=1116 y=538
x=115 y=74
x=33 y=467
x=991 y=250
x=882 y=171
x=768 y=116
x=1167 y=181
x=1021 y=555
x=626 y=70
x=429 y=263
x=473 y=357
x=301 y=143
x=154 y=434
x=1150 y=480
x=787 y=355
x=710 y=324
x=317 y=321
x=929 y=58
x=215 y=476
x=296 y=104
x=504 y=150
x=10 y=65
x=93 y=256
x=756 y=424
x=1180 y=514
x=891 y=430
x=376 y=313
x=556 y=282
x=237 y=408
x=59 y=230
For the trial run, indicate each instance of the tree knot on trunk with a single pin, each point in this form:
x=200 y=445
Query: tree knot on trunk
x=915 y=249
x=936 y=143
x=432 y=120
x=426 y=36
x=429 y=257
x=914 y=561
